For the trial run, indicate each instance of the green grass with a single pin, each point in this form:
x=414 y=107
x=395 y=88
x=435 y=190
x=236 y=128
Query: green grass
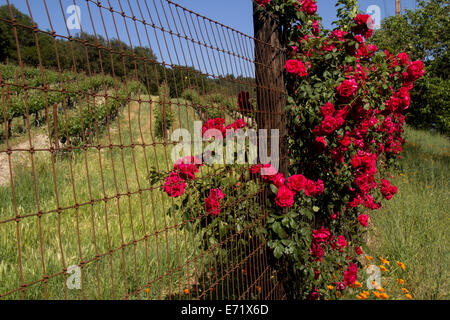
x=413 y=226
x=55 y=241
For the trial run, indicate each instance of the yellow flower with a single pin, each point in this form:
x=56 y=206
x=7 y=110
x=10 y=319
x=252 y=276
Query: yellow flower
x=383 y=268
x=330 y=287
x=405 y=290
x=384 y=261
x=400 y=281
x=408 y=296
x=369 y=258
x=401 y=265
x=384 y=296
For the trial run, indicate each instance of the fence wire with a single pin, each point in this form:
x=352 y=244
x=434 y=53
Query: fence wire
x=86 y=115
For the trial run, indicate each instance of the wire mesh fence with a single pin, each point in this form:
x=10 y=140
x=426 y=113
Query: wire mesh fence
x=90 y=96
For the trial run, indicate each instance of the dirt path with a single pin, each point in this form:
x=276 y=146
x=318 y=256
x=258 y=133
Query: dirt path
x=39 y=141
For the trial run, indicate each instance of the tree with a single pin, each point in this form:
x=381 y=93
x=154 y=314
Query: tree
x=424 y=34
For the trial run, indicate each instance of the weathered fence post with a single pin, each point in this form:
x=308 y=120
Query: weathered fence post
x=271 y=100
x=270 y=89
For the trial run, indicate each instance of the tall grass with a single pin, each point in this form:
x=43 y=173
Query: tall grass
x=127 y=243
x=413 y=227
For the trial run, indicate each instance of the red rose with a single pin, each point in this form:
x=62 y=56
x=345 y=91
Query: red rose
x=327 y=109
x=262 y=2
x=341 y=242
x=217 y=194
x=315 y=27
x=403 y=58
x=346 y=141
x=328 y=125
x=212 y=205
x=347 y=88
x=363 y=220
x=350 y=275
x=277 y=179
x=285 y=197
x=403 y=94
x=186 y=170
x=174 y=185
x=309 y=7
x=320 y=144
x=321 y=235
x=314 y=188
x=296 y=67
x=415 y=71
x=297 y=182
x=364 y=25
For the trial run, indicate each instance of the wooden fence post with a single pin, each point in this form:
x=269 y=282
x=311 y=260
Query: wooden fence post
x=269 y=73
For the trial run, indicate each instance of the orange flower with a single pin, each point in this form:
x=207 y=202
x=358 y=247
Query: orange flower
x=384 y=296
x=383 y=268
x=384 y=261
x=356 y=284
x=186 y=291
x=258 y=288
x=380 y=289
x=147 y=290
x=361 y=296
x=376 y=294
x=401 y=265
x=400 y=281
x=405 y=290
x=369 y=258
x=408 y=296
x=330 y=287
x=367 y=293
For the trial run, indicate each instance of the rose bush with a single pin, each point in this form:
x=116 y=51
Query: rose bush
x=345 y=124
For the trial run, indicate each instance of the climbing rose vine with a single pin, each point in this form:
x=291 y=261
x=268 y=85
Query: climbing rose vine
x=346 y=100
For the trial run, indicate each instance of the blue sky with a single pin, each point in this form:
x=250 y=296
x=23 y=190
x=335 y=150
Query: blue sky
x=234 y=13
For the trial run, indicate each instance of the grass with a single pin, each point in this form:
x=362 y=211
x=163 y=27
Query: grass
x=128 y=243
x=413 y=226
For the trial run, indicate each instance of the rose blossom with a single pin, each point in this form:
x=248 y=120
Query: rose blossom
x=285 y=197
x=297 y=182
x=362 y=25
x=212 y=205
x=327 y=109
x=262 y=2
x=296 y=67
x=350 y=275
x=347 y=88
x=309 y=7
x=363 y=220
x=174 y=185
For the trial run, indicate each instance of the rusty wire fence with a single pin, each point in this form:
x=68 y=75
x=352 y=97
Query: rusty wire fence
x=86 y=116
